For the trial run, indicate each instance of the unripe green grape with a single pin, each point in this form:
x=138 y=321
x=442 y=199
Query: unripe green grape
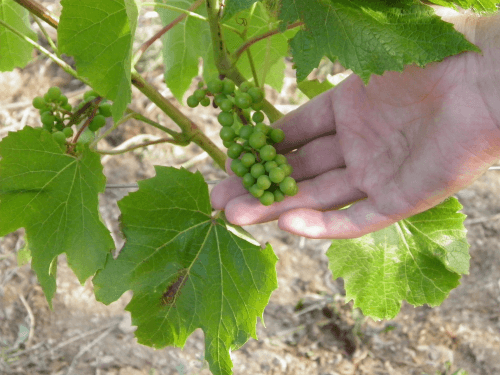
x=228 y=144
x=226 y=118
x=257 y=140
x=227 y=134
x=246 y=145
x=257 y=170
x=54 y=92
x=105 y=110
x=199 y=94
x=280 y=159
x=48 y=119
x=215 y=86
x=278 y=195
x=267 y=198
x=219 y=98
x=248 y=159
x=63 y=100
x=201 y=84
x=89 y=94
x=267 y=153
x=288 y=186
x=245 y=86
x=205 y=102
x=256 y=191
x=248 y=180
x=264 y=182
x=263 y=128
x=287 y=168
x=192 y=101
x=239 y=169
x=256 y=94
x=59 y=125
x=228 y=87
x=226 y=105
x=39 y=102
x=235 y=151
x=47 y=98
x=277 y=135
x=277 y=175
x=59 y=137
x=67 y=107
x=243 y=100
x=258 y=116
x=257 y=106
x=270 y=165
x=68 y=132
x=97 y=122
x=246 y=131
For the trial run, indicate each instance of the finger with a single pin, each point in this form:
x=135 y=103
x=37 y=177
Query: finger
x=356 y=221
x=225 y=191
x=316 y=157
x=311 y=120
x=328 y=191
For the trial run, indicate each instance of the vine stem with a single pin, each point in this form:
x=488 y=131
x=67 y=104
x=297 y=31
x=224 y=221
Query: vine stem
x=40 y=11
x=190 y=131
x=258 y=38
x=158 y=35
x=224 y=64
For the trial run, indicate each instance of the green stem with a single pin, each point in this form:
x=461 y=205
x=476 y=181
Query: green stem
x=68 y=69
x=252 y=66
x=142 y=118
x=145 y=144
x=190 y=131
x=224 y=63
x=47 y=36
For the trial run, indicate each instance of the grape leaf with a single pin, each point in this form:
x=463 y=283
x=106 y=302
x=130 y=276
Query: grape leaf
x=183 y=45
x=370 y=37
x=232 y=7
x=479 y=6
x=187 y=270
x=314 y=87
x=418 y=259
x=14 y=52
x=99 y=35
x=260 y=22
x=54 y=196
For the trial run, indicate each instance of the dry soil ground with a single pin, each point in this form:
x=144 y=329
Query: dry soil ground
x=324 y=337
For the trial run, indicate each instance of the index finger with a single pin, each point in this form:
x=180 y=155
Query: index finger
x=306 y=123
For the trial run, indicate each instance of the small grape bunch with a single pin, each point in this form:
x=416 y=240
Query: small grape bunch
x=249 y=141
x=58 y=116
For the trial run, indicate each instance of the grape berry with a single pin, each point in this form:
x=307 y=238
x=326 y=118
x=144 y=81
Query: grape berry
x=264 y=173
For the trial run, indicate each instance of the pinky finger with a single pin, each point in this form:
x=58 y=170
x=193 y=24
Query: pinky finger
x=356 y=221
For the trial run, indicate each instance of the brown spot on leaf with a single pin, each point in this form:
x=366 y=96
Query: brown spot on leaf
x=173 y=289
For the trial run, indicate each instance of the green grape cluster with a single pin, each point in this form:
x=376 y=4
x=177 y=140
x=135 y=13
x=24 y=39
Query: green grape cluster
x=58 y=116
x=249 y=141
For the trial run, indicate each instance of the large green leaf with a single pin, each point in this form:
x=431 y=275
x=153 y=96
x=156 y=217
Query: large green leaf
x=99 y=35
x=54 y=196
x=183 y=45
x=369 y=37
x=14 y=52
x=418 y=259
x=187 y=270
x=480 y=6
x=314 y=87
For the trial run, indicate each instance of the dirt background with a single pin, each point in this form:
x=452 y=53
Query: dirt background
x=309 y=327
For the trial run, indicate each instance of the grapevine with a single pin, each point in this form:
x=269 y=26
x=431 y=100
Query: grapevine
x=249 y=141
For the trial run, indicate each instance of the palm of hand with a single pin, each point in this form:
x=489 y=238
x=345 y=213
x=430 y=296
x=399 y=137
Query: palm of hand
x=401 y=144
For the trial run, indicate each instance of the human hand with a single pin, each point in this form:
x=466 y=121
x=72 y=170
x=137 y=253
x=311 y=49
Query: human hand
x=400 y=146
